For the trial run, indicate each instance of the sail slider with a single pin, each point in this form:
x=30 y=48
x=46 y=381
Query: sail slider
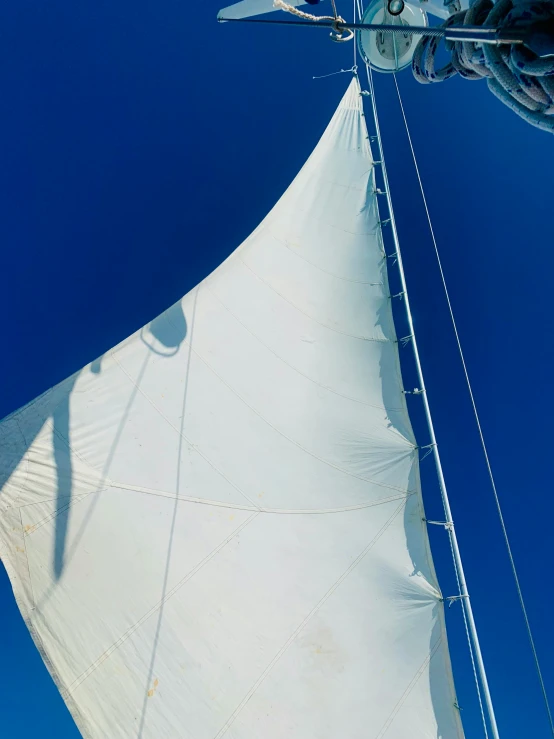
x=385 y=222
x=399 y=295
x=405 y=340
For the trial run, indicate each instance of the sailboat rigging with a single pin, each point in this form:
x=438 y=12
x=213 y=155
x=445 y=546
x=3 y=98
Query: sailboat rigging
x=247 y=553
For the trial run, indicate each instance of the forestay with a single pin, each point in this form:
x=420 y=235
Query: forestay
x=216 y=529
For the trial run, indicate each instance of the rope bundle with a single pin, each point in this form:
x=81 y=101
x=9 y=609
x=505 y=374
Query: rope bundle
x=519 y=78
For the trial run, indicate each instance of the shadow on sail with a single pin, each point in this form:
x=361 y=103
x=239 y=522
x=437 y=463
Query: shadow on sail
x=51 y=407
x=64 y=475
x=167 y=332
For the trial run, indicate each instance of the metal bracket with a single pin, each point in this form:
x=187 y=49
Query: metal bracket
x=453 y=598
x=385 y=222
x=399 y=295
x=448 y=525
x=429 y=448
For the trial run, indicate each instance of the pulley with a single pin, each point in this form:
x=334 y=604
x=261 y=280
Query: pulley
x=389 y=52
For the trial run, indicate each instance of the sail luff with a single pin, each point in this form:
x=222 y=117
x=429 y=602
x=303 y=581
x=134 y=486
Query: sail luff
x=216 y=529
x=450 y=528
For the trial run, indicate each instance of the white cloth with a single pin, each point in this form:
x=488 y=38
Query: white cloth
x=216 y=529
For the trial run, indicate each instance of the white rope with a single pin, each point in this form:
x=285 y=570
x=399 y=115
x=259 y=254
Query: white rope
x=477 y=420
x=281 y=5
x=336 y=34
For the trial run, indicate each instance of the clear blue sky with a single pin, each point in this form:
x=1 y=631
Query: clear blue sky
x=141 y=142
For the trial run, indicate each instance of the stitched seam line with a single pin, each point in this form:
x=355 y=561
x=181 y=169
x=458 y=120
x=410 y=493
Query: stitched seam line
x=259 y=509
x=320 y=269
x=318 y=384
x=193 y=446
x=105 y=655
x=297 y=631
x=406 y=693
x=296 y=307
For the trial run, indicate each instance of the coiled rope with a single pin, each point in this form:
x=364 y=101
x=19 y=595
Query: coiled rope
x=519 y=78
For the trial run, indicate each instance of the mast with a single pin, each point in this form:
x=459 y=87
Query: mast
x=449 y=521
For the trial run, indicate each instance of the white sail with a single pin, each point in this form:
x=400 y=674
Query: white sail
x=248 y=8
x=216 y=529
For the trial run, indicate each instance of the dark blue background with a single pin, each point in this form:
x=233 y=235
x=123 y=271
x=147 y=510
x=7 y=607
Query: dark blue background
x=141 y=142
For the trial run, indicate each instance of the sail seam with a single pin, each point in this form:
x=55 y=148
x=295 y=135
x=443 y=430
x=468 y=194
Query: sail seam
x=27 y=466
x=131 y=630
x=314 y=177
x=388 y=723
x=318 y=178
x=315 y=218
x=316 y=266
x=194 y=447
x=319 y=384
x=409 y=449
x=310 y=615
x=325 y=325
x=27 y=560
x=259 y=509
x=51 y=516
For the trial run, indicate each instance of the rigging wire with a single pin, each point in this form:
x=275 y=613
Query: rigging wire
x=477 y=419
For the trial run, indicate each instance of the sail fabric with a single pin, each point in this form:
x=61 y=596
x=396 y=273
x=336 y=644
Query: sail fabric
x=248 y=8
x=216 y=529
